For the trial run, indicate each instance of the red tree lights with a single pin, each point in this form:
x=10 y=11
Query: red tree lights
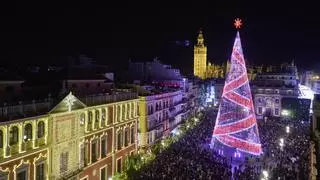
x=236 y=126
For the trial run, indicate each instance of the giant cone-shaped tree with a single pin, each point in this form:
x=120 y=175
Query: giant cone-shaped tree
x=236 y=126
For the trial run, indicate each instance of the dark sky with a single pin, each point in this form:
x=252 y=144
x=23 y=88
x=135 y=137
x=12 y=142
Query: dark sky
x=111 y=34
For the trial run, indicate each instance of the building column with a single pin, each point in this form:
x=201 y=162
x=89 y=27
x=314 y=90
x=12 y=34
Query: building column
x=34 y=133
x=7 y=138
x=20 y=136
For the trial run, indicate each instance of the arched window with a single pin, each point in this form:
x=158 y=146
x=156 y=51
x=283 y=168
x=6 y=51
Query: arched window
x=97 y=119
x=103 y=116
x=119 y=140
x=82 y=118
x=123 y=112
x=126 y=137
x=27 y=132
x=132 y=110
x=90 y=117
x=132 y=135
x=14 y=135
x=118 y=113
x=128 y=111
x=41 y=129
x=1 y=139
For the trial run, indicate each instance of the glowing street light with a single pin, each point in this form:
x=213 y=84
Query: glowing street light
x=288 y=129
x=265 y=174
x=285 y=112
x=281 y=143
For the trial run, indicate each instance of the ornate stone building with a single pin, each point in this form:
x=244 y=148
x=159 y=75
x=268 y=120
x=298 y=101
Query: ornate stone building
x=270 y=88
x=200 y=58
x=159 y=114
x=86 y=138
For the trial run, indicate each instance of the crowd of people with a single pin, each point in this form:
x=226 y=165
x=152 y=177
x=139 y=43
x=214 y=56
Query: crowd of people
x=191 y=158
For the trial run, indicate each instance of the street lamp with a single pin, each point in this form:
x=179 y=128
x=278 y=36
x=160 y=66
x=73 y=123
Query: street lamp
x=281 y=143
x=265 y=174
x=288 y=129
x=285 y=112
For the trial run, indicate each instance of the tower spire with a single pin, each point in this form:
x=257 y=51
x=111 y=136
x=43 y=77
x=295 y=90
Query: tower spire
x=200 y=38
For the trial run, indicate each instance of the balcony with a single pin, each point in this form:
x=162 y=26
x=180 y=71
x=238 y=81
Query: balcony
x=108 y=98
x=40 y=142
x=14 y=149
x=27 y=145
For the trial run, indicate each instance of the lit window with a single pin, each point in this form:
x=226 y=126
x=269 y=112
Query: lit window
x=14 y=135
x=103 y=116
x=82 y=119
x=41 y=129
x=27 y=132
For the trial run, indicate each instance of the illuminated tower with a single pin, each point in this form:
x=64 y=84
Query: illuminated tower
x=200 y=58
x=236 y=127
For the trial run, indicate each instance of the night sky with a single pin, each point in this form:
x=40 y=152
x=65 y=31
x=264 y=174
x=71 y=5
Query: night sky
x=111 y=34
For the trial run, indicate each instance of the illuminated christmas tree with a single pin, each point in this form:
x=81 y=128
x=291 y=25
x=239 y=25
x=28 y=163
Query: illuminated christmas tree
x=236 y=126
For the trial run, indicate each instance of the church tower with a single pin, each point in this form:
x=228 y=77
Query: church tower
x=200 y=58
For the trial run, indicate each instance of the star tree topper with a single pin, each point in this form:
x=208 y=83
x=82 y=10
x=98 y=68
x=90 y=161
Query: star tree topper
x=237 y=23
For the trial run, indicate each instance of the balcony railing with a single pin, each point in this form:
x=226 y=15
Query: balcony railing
x=108 y=98
x=40 y=141
x=25 y=109
x=14 y=149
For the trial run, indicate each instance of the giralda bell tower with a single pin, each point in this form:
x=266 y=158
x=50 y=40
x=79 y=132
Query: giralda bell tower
x=200 y=58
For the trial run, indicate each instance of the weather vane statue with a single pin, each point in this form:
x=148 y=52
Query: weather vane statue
x=236 y=128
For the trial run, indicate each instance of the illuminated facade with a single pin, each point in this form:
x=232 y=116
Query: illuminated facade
x=270 y=88
x=200 y=58
x=236 y=128
x=215 y=71
x=77 y=139
x=159 y=114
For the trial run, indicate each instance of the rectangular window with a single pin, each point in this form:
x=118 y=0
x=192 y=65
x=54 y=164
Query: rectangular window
x=40 y=172
x=277 y=112
x=103 y=147
x=103 y=173
x=82 y=155
x=259 y=110
x=22 y=175
x=110 y=115
x=119 y=165
x=94 y=152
